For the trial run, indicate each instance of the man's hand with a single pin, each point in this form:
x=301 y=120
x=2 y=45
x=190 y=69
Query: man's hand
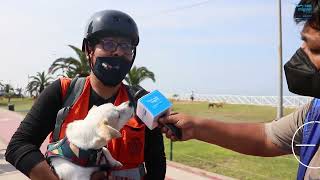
x=42 y=171
x=99 y=175
x=184 y=122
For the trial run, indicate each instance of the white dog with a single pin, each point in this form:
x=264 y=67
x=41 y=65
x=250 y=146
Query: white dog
x=88 y=138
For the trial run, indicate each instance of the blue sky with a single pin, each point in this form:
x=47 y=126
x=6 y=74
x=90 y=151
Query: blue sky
x=215 y=47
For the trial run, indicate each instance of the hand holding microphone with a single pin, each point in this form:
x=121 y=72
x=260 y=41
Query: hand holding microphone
x=151 y=107
x=186 y=124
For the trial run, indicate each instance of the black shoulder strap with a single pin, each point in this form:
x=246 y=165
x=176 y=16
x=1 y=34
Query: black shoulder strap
x=74 y=91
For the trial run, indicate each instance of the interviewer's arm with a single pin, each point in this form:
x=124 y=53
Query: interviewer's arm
x=259 y=139
x=246 y=138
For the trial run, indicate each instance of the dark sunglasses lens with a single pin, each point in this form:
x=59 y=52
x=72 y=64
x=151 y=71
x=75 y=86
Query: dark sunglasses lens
x=126 y=47
x=109 y=45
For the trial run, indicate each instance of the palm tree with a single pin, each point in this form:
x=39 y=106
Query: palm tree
x=39 y=82
x=8 y=89
x=71 y=66
x=175 y=96
x=31 y=88
x=137 y=75
x=1 y=86
x=19 y=91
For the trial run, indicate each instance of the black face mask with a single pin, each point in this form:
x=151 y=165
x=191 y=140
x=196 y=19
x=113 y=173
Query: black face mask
x=111 y=70
x=303 y=78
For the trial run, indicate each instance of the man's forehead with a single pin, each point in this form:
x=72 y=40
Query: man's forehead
x=307 y=29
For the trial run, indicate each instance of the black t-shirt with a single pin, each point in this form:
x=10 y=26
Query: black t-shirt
x=23 y=149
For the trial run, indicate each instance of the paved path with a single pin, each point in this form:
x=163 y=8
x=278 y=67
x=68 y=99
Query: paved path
x=176 y=171
x=7 y=171
x=9 y=121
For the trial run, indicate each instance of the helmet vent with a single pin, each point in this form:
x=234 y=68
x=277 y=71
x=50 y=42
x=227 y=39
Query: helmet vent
x=116 y=19
x=90 y=28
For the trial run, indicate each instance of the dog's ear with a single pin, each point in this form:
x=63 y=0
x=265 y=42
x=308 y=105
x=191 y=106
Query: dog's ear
x=94 y=107
x=107 y=132
x=72 y=131
x=113 y=132
x=72 y=126
x=92 y=111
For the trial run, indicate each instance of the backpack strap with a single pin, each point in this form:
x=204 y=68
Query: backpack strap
x=73 y=93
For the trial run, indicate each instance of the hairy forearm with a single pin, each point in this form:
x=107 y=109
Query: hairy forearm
x=245 y=138
x=42 y=171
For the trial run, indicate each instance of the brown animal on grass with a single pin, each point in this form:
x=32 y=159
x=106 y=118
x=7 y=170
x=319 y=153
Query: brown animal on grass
x=210 y=105
x=218 y=105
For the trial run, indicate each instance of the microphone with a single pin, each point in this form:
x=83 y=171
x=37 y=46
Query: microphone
x=151 y=106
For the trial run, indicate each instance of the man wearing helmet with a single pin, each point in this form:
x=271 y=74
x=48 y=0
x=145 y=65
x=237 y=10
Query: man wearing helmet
x=109 y=43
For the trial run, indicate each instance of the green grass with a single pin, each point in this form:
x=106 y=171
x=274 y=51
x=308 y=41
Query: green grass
x=213 y=158
x=20 y=105
x=229 y=112
x=222 y=161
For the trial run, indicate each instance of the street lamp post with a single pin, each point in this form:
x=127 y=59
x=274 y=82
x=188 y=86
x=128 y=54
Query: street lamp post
x=280 y=98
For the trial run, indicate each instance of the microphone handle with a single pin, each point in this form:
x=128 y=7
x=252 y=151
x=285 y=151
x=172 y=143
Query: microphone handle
x=175 y=130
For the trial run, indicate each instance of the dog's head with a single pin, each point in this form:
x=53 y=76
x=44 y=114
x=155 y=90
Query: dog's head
x=100 y=125
x=117 y=116
x=114 y=118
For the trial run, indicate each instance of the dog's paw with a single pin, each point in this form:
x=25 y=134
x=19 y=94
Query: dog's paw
x=116 y=164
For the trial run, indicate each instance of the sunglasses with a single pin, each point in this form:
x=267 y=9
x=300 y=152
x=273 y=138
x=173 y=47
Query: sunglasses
x=111 y=46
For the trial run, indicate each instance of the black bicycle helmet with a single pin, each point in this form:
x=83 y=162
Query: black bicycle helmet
x=110 y=23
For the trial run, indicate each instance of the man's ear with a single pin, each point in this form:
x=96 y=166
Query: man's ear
x=88 y=49
x=86 y=46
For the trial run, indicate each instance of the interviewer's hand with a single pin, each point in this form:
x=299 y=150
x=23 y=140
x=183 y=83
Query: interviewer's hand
x=184 y=122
